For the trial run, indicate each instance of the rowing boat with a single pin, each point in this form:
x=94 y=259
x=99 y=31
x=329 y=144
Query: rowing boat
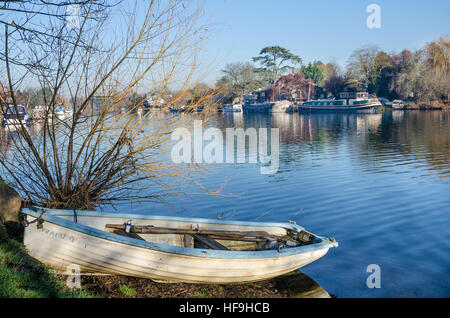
x=167 y=248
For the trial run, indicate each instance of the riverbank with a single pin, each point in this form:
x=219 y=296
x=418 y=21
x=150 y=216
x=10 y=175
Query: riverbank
x=436 y=105
x=291 y=285
x=428 y=106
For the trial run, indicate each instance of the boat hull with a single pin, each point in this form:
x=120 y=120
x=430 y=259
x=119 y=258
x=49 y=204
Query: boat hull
x=61 y=242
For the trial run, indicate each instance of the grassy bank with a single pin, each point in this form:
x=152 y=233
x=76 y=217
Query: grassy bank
x=21 y=276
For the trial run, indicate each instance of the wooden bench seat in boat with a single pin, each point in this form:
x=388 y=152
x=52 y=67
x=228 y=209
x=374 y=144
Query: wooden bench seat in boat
x=207 y=238
x=130 y=234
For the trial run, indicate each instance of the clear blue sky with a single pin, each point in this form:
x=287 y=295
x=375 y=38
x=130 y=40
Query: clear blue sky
x=318 y=30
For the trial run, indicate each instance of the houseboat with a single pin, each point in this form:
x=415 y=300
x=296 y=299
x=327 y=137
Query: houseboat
x=60 y=112
x=13 y=117
x=348 y=101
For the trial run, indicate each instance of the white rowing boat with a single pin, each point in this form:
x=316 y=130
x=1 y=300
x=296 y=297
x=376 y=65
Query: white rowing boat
x=168 y=248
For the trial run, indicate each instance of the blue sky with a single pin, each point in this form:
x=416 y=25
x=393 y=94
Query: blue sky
x=317 y=30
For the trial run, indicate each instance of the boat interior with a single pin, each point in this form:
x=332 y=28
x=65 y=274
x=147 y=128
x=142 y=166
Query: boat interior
x=199 y=236
x=200 y=233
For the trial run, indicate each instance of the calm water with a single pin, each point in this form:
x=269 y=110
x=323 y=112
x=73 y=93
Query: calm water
x=378 y=183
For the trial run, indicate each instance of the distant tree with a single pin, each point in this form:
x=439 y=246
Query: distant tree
x=136 y=99
x=363 y=69
x=438 y=55
x=45 y=92
x=199 y=91
x=273 y=60
x=384 y=76
x=425 y=77
x=392 y=65
x=32 y=97
x=400 y=61
x=334 y=80
x=410 y=82
x=292 y=86
x=314 y=71
x=239 y=79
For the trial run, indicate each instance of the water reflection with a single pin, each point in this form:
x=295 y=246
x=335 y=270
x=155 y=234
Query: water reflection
x=383 y=140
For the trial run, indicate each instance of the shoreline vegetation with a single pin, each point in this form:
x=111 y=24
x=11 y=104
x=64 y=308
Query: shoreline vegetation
x=435 y=105
x=21 y=276
x=427 y=106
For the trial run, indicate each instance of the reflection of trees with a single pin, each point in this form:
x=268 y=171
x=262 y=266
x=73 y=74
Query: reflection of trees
x=325 y=129
x=375 y=139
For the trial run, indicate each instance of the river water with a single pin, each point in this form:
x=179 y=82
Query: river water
x=378 y=183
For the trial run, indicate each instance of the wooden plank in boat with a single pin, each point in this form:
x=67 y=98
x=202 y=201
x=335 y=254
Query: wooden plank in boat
x=149 y=229
x=211 y=243
x=130 y=234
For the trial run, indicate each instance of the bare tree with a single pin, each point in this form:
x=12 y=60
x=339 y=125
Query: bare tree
x=96 y=53
x=362 y=68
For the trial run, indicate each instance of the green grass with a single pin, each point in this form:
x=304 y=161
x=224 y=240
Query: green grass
x=127 y=291
x=21 y=276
